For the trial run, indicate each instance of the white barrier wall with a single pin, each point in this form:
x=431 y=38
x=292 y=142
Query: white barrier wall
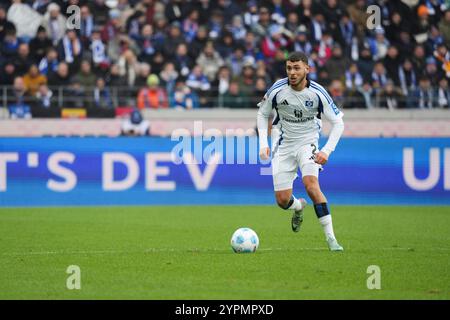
x=376 y=123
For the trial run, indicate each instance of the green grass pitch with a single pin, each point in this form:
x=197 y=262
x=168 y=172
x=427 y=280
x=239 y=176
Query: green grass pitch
x=183 y=252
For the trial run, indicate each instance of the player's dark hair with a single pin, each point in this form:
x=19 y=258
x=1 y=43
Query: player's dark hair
x=297 y=56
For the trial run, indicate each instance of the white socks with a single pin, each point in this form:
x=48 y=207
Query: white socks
x=327 y=225
x=296 y=205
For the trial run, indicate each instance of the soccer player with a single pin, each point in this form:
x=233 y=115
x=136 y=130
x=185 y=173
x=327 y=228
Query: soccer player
x=299 y=106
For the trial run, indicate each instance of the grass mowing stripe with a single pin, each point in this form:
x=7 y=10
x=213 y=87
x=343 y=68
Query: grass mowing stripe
x=184 y=253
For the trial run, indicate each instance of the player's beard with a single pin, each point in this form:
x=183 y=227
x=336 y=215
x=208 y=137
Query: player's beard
x=300 y=81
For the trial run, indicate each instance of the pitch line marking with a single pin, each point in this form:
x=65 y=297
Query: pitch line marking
x=194 y=250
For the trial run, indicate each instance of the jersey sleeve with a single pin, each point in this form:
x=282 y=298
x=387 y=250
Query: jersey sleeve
x=332 y=113
x=328 y=108
x=264 y=112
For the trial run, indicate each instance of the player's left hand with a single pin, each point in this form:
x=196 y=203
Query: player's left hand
x=321 y=158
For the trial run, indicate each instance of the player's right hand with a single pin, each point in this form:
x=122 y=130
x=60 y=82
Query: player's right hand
x=264 y=153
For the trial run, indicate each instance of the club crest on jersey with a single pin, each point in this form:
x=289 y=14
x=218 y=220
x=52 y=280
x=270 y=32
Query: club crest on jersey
x=309 y=104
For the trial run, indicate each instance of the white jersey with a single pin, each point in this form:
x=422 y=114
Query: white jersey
x=298 y=114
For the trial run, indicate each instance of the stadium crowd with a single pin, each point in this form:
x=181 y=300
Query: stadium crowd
x=204 y=54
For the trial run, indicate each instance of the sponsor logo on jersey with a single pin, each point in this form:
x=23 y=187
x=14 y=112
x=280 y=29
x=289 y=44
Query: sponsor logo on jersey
x=335 y=108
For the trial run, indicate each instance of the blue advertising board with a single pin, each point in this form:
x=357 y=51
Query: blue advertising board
x=142 y=171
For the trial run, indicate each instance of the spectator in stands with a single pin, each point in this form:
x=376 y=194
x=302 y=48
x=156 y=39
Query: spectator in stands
x=443 y=94
x=226 y=45
x=75 y=96
x=407 y=77
x=379 y=75
x=336 y=90
x=366 y=64
x=247 y=79
x=33 y=80
x=55 y=23
x=199 y=83
x=183 y=98
x=119 y=87
x=337 y=65
x=152 y=96
x=353 y=79
x=390 y=97
x=190 y=25
x=260 y=91
x=70 y=50
x=359 y=16
x=235 y=97
x=236 y=60
x=49 y=64
x=22 y=61
x=100 y=59
x=391 y=63
x=210 y=60
x=220 y=85
x=135 y=125
x=368 y=95
x=442 y=55
x=272 y=41
x=100 y=11
x=261 y=28
x=237 y=28
x=8 y=74
x=175 y=38
x=379 y=44
x=302 y=43
x=144 y=71
x=324 y=49
x=102 y=101
x=44 y=104
x=40 y=45
x=346 y=33
x=61 y=77
x=86 y=77
x=18 y=101
x=87 y=25
x=6 y=27
x=424 y=96
x=183 y=62
x=432 y=72
x=198 y=43
x=129 y=67
x=444 y=27
x=9 y=46
x=146 y=44
x=318 y=28
x=169 y=76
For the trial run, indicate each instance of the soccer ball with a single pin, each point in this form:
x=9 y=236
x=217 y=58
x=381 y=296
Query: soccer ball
x=244 y=240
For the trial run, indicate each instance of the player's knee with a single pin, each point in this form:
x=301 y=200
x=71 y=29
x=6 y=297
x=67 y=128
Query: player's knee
x=282 y=200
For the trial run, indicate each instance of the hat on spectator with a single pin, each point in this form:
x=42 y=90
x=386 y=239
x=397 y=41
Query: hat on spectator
x=152 y=80
x=136 y=117
x=176 y=24
x=114 y=14
x=431 y=60
x=379 y=30
x=302 y=29
x=53 y=7
x=422 y=11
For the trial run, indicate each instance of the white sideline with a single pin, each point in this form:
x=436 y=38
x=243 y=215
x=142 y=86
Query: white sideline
x=195 y=250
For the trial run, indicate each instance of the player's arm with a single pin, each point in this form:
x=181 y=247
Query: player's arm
x=262 y=122
x=334 y=116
